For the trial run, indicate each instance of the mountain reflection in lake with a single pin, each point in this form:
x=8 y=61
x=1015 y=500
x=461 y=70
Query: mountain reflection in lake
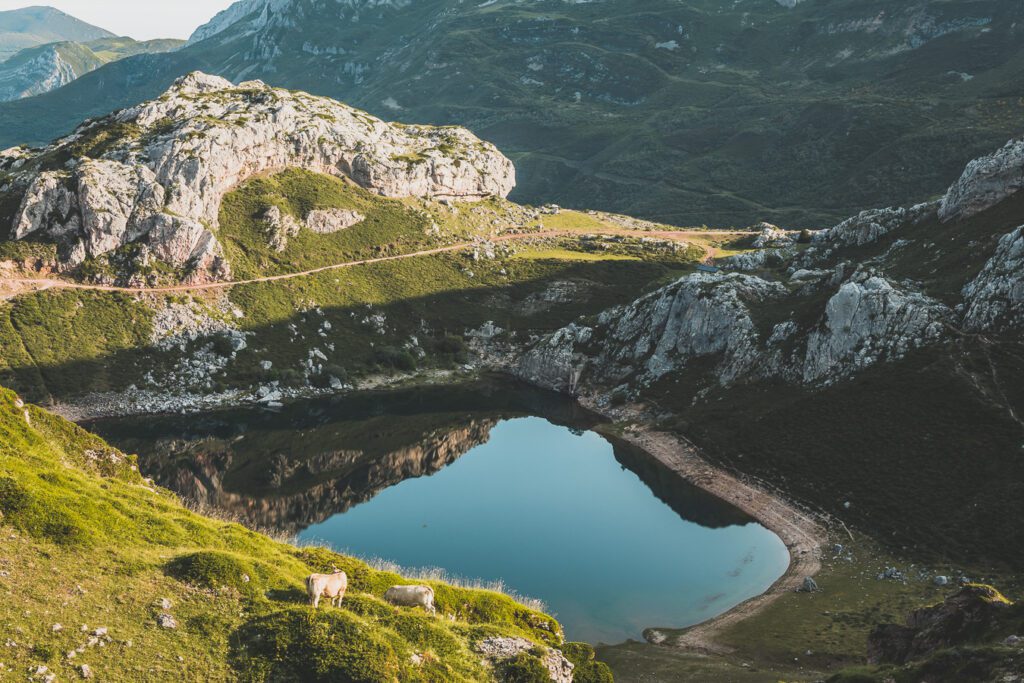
x=606 y=536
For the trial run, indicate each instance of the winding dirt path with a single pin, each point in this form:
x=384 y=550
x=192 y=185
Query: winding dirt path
x=803 y=535
x=10 y=287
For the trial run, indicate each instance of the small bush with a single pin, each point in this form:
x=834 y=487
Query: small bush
x=223 y=345
x=213 y=570
x=46 y=653
x=336 y=371
x=291 y=378
x=299 y=644
x=398 y=359
x=524 y=668
x=450 y=345
x=587 y=670
x=13 y=496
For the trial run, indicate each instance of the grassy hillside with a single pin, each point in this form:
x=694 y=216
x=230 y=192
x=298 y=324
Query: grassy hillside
x=385 y=317
x=93 y=555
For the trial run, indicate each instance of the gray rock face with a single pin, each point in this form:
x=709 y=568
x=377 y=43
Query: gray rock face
x=697 y=316
x=985 y=182
x=280 y=226
x=498 y=649
x=44 y=71
x=772 y=236
x=995 y=298
x=753 y=260
x=869 y=321
x=555 y=361
x=869 y=226
x=326 y=221
x=161 y=180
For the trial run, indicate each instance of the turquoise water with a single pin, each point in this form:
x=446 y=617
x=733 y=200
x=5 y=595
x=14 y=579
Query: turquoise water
x=467 y=478
x=554 y=515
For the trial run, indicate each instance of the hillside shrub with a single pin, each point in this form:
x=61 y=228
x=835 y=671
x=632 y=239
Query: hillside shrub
x=524 y=668
x=399 y=359
x=587 y=670
x=13 y=496
x=299 y=644
x=214 y=570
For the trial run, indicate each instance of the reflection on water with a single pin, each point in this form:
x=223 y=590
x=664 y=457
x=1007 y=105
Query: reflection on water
x=611 y=540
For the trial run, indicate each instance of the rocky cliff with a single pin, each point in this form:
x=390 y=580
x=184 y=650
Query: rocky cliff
x=818 y=315
x=154 y=175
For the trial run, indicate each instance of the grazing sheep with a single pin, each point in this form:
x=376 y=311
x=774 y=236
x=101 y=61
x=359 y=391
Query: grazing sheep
x=412 y=596
x=332 y=585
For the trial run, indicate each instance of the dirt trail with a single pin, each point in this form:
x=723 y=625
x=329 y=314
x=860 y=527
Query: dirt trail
x=10 y=287
x=803 y=535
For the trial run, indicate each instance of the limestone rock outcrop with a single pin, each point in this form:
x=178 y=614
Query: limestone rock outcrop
x=772 y=236
x=698 y=316
x=871 y=225
x=995 y=298
x=867 y=321
x=326 y=221
x=985 y=182
x=156 y=173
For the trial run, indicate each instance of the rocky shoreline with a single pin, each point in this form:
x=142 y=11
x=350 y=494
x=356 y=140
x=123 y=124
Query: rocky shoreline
x=803 y=535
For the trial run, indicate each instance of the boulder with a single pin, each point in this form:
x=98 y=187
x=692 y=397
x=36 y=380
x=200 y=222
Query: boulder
x=498 y=649
x=772 y=236
x=327 y=221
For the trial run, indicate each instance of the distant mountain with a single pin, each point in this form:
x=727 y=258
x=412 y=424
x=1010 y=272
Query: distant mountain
x=685 y=111
x=38 y=70
x=32 y=26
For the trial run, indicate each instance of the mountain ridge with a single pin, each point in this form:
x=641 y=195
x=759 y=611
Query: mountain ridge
x=31 y=26
x=671 y=122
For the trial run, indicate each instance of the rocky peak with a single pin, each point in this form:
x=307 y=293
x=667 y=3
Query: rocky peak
x=985 y=182
x=156 y=173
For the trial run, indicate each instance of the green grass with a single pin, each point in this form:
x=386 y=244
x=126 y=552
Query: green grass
x=66 y=336
x=75 y=508
x=391 y=226
x=569 y=255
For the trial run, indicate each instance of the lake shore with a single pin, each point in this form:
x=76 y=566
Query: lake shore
x=803 y=535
